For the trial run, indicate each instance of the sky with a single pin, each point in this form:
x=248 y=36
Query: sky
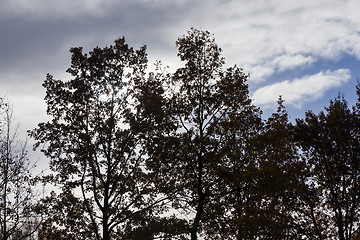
x=307 y=51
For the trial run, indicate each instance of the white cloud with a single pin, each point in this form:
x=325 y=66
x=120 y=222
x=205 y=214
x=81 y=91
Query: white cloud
x=259 y=72
x=277 y=35
x=285 y=62
x=298 y=91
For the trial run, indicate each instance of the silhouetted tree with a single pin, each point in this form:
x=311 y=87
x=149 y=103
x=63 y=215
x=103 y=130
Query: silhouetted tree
x=94 y=144
x=211 y=118
x=331 y=147
x=264 y=206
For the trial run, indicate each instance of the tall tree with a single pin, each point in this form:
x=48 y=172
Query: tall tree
x=18 y=219
x=330 y=144
x=93 y=141
x=209 y=108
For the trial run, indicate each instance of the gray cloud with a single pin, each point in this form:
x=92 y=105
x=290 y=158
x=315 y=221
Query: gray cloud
x=33 y=38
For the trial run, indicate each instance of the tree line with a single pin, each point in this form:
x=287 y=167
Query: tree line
x=182 y=155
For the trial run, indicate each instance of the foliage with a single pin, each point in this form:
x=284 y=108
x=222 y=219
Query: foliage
x=213 y=117
x=331 y=148
x=186 y=155
x=93 y=142
x=264 y=207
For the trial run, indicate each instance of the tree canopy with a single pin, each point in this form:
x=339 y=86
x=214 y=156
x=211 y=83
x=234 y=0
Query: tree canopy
x=94 y=145
x=186 y=154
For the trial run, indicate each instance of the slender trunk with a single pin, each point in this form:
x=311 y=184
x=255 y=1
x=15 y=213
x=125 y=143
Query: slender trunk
x=6 y=179
x=4 y=227
x=341 y=234
x=313 y=218
x=108 y=150
x=200 y=200
x=106 y=232
x=339 y=216
x=106 y=212
x=341 y=230
x=4 y=230
x=199 y=212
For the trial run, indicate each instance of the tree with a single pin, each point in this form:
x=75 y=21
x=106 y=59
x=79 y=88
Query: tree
x=263 y=208
x=210 y=118
x=331 y=147
x=94 y=144
x=18 y=219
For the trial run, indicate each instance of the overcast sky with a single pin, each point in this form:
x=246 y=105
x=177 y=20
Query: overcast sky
x=305 y=50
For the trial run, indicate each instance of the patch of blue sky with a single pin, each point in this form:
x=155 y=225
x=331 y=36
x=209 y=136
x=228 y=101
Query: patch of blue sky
x=324 y=77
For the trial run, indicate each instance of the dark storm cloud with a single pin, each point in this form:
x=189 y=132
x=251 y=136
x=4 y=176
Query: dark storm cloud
x=37 y=42
x=23 y=42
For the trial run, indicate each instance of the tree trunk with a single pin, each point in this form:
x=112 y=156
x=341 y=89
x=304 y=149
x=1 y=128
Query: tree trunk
x=341 y=232
x=200 y=201
x=199 y=211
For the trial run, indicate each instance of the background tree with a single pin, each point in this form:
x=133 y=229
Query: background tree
x=18 y=219
x=264 y=205
x=331 y=148
x=207 y=108
x=93 y=141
